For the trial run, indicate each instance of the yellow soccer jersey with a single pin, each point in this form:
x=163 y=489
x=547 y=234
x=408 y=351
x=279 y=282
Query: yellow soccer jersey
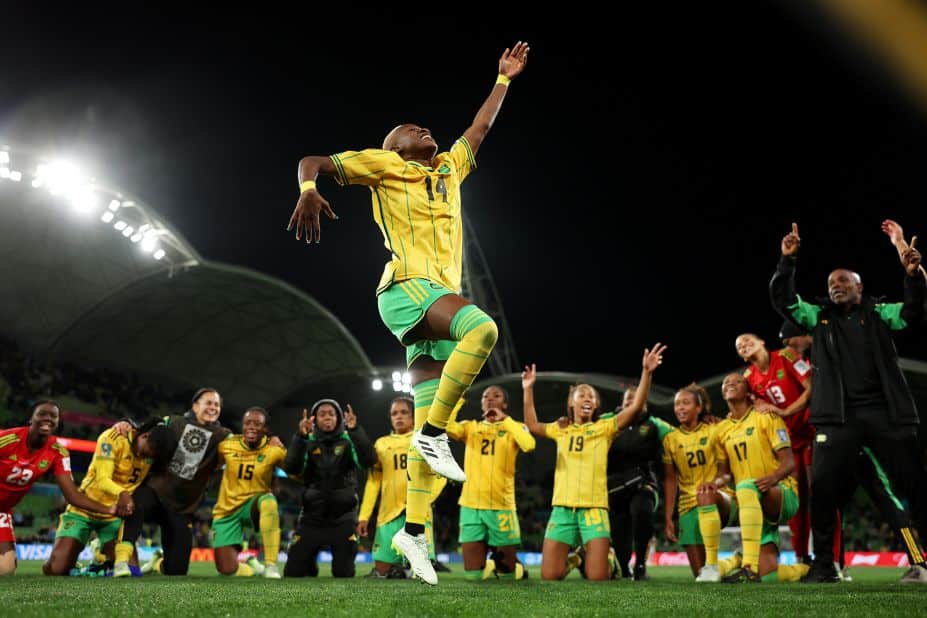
x=248 y=472
x=489 y=462
x=582 y=463
x=387 y=479
x=693 y=455
x=417 y=209
x=113 y=470
x=749 y=445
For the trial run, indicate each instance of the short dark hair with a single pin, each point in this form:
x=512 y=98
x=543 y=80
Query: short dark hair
x=164 y=442
x=202 y=391
x=505 y=393
x=258 y=409
x=42 y=402
x=406 y=400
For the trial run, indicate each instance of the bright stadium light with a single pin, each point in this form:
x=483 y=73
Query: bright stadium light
x=397 y=377
x=84 y=200
x=16 y=176
x=62 y=177
x=397 y=386
x=406 y=378
x=377 y=385
x=114 y=205
x=36 y=183
x=158 y=254
x=107 y=217
x=128 y=231
x=4 y=172
x=149 y=244
x=4 y=156
x=136 y=237
x=120 y=225
x=406 y=388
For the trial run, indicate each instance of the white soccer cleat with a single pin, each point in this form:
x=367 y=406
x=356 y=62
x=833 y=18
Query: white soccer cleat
x=415 y=549
x=271 y=572
x=437 y=454
x=154 y=564
x=121 y=569
x=255 y=565
x=709 y=574
x=915 y=575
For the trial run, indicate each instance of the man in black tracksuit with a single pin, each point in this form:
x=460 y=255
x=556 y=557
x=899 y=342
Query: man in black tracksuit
x=860 y=396
x=328 y=451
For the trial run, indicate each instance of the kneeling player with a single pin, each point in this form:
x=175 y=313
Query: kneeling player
x=245 y=498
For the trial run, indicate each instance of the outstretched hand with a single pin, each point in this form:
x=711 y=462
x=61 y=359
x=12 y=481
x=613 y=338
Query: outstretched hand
x=894 y=232
x=791 y=242
x=653 y=358
x=305 y=216
x=529 y=376
x=513 y=62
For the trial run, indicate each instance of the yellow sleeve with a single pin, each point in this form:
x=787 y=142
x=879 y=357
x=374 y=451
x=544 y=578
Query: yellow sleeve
x=371 y=492
x=720 y=453
x=458 y=431
x=462 y=157
x=104 y=462
x=364 y=167
x=552 y=430
x=668 y=449
x=523 y=437
x=777 y=432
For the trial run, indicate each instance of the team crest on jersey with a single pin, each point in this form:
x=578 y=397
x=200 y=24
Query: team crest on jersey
x=444 y=169
x=749 y=431
x=645 y=429
x=501 y=434
x=703 y=441
x=338 y=450
x=13 y=457
x=780 y=374
x=43 y=464
x=783 y=436
x=589 y=433
x=260 y=458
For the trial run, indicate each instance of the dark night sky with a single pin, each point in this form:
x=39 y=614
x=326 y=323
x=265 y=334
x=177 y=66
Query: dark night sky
x=741 y=116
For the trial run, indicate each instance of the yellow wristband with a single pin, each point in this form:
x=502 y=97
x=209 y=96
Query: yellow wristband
x=307 y=185
x=502 y=79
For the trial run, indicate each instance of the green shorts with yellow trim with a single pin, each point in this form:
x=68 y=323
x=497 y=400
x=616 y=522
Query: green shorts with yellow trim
x=689 y=531
x=496 y=527
x=383 y=550
x=78 y=527
x=575 y=526
x=229 y=530
x=786 y=512
x=403 y=305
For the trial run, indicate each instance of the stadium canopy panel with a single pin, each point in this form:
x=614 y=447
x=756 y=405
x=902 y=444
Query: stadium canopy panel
x=94 y=276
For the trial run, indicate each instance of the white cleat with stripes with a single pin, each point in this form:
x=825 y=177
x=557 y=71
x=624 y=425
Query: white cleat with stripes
x=436 y=451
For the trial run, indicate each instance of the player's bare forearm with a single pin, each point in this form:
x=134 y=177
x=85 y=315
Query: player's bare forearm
x=75 y=497
x=485 y=118
x=531 y=415
x=786 y=463
x=310 y=168
x=669 y=491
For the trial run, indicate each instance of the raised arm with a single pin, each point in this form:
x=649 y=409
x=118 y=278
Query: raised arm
x=782 y=286
x=652 y=359
x=528 y=377
x=510 y=65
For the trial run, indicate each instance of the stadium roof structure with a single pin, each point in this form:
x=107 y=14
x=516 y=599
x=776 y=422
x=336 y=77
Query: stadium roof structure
x=94 y=276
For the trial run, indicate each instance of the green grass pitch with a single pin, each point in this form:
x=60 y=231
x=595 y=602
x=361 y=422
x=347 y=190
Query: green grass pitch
x=874 y=591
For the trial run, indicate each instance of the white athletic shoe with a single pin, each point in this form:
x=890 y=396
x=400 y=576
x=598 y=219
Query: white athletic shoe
x=271 y=572
x=915 y=575
x=415 y=549
x=255 y=565
x=121 y=569
x=709 y=573
x=437 y=454
x=154 y=564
